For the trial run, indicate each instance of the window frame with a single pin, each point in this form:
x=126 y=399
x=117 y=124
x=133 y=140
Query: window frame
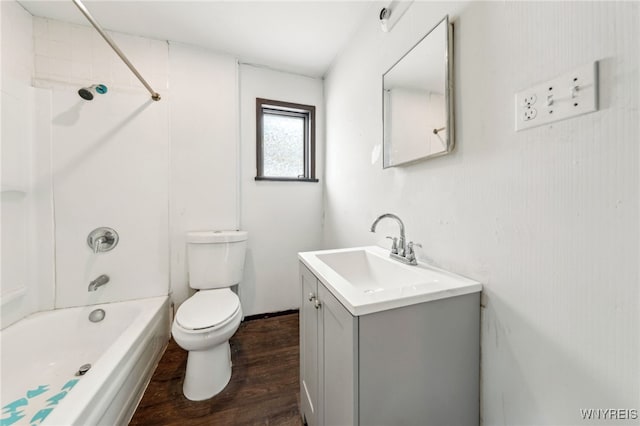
x=308 y=112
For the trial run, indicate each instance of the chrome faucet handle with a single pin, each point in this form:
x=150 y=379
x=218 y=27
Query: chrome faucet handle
x=102 y=239
x=394 y=244
x=97 y=244
x=411 y=254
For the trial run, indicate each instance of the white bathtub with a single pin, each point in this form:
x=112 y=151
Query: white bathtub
x=42 y=353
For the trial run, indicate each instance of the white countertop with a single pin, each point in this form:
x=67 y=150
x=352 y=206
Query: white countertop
x=365 y=280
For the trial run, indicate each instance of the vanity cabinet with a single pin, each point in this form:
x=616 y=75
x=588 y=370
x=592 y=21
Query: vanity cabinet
x=328 y=355
x=414 y=365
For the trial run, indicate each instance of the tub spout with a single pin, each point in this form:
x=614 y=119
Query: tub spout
x=98 y=282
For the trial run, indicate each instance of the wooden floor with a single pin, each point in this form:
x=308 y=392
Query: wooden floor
x=263 y=389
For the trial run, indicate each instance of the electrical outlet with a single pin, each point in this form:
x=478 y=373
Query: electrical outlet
x=529 y=100
x=571 y=94
x=529 y=114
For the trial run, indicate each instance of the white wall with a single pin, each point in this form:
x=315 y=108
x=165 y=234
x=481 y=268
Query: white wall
x=546 y=218
x=282 y=218
x=204 y=150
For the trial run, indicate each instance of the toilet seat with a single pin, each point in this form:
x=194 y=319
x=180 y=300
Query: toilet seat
x=208 y=309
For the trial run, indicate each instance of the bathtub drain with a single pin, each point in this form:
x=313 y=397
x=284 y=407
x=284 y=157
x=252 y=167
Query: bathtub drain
x=83 y=369
x=97 y=315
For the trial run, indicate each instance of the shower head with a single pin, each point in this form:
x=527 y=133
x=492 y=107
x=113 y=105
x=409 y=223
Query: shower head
x=86 y=93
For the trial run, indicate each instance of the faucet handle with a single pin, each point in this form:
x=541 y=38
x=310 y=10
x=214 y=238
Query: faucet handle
x=411 y=254
x=394 y=244
x=102 y=239
x=411 y=245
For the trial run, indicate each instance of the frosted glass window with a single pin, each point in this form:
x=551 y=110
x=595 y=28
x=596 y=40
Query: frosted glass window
x=285 y=141
x=283 y=145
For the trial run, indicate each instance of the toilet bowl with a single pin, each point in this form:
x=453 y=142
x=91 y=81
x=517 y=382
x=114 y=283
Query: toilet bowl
x=205 y=333
x=205 y=322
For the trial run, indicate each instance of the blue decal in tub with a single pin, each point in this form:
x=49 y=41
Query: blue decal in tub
x=16 y=410
x=70 y=384
x=35 y=392
x=40 y=416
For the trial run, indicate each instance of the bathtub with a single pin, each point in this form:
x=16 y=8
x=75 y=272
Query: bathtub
x=42 y=354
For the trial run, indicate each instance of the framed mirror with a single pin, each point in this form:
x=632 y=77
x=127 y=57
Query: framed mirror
x=418 y=100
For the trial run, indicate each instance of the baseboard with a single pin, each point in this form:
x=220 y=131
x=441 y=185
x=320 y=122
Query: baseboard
x=270 y=315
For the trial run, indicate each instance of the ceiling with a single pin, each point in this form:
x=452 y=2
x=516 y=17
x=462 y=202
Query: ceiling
x=297 y=36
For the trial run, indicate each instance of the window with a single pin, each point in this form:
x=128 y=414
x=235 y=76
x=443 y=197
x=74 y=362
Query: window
x=285 y=141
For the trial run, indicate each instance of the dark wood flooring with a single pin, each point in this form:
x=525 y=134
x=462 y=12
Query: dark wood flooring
x=263 y=389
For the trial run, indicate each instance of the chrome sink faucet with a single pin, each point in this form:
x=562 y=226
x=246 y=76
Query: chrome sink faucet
x=401 y=244
x=98 y=282
x=400 y=250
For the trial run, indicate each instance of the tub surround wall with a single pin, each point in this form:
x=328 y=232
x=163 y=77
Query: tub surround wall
x=546 y=218
x=283 y=218
x=16 y=168
x=73 y=56
x=27 y=237
x=109 y=160
x=17 y=64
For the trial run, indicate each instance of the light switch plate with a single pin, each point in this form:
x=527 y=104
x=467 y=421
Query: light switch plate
x=573 y=93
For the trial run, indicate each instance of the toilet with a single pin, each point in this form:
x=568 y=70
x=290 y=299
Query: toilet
x=205 y=322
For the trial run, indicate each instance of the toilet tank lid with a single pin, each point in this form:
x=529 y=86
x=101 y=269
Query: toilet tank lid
x=203 y=237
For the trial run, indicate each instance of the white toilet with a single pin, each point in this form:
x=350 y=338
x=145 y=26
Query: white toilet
x=206 y=321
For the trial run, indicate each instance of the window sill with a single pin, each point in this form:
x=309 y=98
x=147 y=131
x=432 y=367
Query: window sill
x=286 y=179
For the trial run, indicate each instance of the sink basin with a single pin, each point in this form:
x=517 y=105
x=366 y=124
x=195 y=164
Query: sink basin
x=369 y=272
x=365 y=280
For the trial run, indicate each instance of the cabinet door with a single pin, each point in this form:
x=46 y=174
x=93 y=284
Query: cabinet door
x=339 y=381
x=309 y=365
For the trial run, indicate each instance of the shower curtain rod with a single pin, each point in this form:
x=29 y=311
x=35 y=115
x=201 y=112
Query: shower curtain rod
x=154 y=95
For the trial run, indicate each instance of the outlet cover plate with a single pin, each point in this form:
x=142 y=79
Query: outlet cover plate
x=571 y=94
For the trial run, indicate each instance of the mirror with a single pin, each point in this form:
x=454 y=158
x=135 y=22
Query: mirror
x=417 y=101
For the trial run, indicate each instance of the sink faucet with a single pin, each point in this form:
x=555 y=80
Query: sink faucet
x=401 y=251
x=401 y=245
x=98 y=282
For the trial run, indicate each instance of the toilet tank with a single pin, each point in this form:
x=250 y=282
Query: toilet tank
x=215 y=258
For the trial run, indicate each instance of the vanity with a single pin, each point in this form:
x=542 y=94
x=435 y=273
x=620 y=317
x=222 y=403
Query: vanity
x=386 y=343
